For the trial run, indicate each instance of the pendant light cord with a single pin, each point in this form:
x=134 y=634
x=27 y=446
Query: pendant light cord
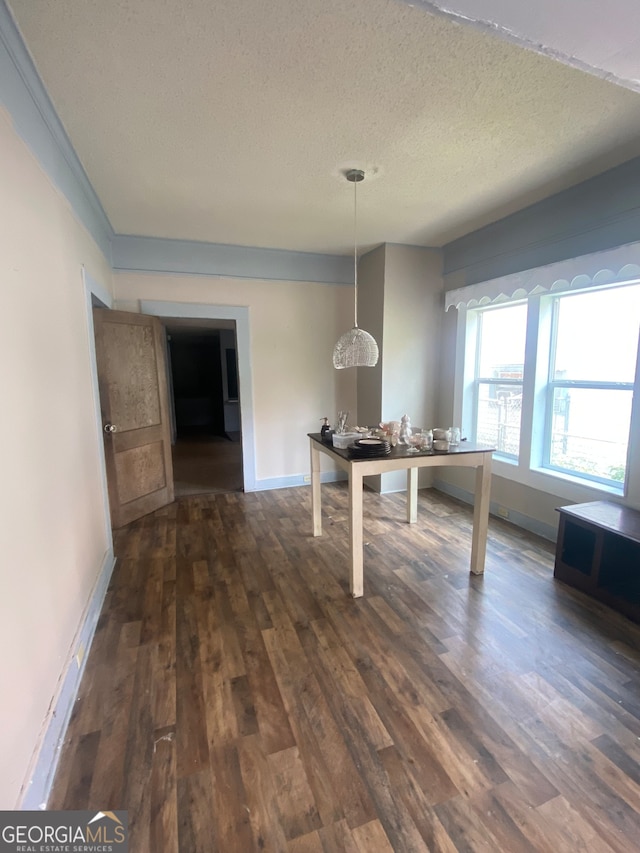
x=356 y=348
x=355 y=252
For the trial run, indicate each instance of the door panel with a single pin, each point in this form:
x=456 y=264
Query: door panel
x=130 y=353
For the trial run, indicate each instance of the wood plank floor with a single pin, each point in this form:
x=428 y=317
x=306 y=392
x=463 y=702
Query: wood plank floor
x=236 y=698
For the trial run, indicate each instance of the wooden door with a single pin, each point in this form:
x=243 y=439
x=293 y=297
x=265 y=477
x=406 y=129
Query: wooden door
x=130 y=353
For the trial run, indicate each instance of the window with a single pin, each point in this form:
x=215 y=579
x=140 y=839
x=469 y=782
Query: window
x=549 y=381
x=594 y=340
x=500 y=340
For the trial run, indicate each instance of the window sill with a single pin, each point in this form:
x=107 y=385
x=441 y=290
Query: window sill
x=553 y=483
x=506 y=460
x=580 y=481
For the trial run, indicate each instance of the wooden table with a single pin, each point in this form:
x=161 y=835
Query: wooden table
x=465 y=455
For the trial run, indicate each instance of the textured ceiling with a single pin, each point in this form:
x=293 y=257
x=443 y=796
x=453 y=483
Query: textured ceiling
x=231 y=122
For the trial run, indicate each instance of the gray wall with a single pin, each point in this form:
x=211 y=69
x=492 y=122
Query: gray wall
x=413 y=307
x=598 y=214
x=401 y=305
x=371 y=288
x=412 y=314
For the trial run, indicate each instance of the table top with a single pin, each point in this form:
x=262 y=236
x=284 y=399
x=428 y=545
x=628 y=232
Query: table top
x=401 y=451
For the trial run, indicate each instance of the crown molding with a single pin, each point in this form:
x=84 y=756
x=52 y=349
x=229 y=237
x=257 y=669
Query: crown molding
x=180 y=257
x=36 y=121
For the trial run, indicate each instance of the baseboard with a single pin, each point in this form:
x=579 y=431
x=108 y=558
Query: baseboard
x=38 y=788
x=533 y=525
x=297 y=480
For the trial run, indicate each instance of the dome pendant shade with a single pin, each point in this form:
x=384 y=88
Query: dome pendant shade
x=355 y=348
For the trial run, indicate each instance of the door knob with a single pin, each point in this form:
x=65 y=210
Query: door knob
x=110 y=428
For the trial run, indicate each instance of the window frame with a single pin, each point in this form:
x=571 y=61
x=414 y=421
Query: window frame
x=552 y=384
x=481 y=380
x=490 y=380
x=532 y=467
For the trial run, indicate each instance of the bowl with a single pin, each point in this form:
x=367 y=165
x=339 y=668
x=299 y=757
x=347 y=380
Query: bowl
x=441 y=434
x=440 y=444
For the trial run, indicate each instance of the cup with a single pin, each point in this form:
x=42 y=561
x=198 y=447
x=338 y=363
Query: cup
x=454 y=436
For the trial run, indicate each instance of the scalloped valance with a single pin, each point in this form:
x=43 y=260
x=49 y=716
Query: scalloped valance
x=618 y=265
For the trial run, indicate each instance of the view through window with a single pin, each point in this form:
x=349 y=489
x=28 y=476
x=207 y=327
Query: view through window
x=592 y=369
x=499 y=371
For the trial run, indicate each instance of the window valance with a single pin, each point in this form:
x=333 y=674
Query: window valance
x=612 y=266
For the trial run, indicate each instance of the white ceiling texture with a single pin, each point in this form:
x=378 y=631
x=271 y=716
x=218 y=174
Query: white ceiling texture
x=233 y=122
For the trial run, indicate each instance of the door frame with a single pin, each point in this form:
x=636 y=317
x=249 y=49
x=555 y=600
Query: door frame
x=239 y=313
x=97 y=295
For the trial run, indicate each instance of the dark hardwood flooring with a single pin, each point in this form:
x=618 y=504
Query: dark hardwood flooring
x=237 y=699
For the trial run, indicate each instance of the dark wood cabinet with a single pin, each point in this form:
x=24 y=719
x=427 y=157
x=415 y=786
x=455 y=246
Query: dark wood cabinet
x=598 y=552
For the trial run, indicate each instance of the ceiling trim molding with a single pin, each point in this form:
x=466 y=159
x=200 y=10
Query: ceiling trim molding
x=36 y=121
x=180 y=257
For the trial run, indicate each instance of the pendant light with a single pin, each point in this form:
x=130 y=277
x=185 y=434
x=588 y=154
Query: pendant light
x=355 y=348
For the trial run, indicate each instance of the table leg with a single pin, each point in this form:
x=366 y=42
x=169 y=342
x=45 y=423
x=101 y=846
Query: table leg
x=481 y=515
x=355 y=531
x=316 y=499
x=412 y=495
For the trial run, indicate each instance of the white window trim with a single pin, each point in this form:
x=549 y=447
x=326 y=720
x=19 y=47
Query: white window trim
x=613 y=266
x=528 y=470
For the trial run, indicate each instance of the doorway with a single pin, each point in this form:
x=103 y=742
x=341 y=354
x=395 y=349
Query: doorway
x=240 y=315
x=203 y=389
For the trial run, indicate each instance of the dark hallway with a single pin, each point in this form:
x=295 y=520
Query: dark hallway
x=207 y=447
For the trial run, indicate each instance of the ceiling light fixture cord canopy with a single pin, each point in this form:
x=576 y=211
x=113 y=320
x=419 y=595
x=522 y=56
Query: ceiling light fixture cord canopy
x=356 y=348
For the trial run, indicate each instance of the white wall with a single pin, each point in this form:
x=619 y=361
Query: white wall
x=293 y=328
x=53 y=538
